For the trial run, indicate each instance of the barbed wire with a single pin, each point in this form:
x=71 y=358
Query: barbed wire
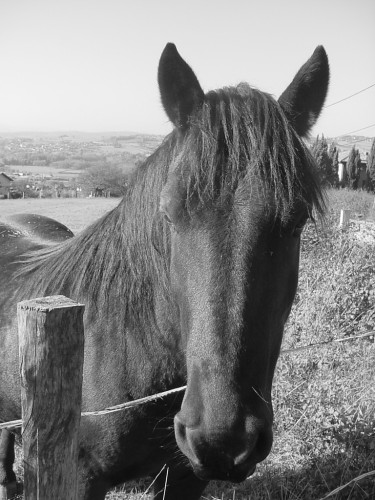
x=14 y=424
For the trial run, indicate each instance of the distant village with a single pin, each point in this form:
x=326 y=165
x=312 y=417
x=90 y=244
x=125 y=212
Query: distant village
x=69 y=165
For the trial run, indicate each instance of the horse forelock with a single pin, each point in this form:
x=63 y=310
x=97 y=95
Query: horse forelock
x=239 y=133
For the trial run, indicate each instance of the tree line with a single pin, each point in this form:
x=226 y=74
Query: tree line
x=328 y=165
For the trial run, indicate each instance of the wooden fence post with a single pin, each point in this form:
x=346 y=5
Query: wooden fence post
x=51 y=339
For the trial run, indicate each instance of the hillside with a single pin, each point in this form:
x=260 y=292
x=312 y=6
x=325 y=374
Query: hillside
x=346 y=142
x=48 y=148
x=55 y=161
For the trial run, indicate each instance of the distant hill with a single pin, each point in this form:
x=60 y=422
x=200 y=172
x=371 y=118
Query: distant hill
x=135 y=142
x=74 y=135
x=75 y=150
x=346 y=142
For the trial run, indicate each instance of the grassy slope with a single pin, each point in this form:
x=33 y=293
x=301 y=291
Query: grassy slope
x=76 y=213
x=324 y=398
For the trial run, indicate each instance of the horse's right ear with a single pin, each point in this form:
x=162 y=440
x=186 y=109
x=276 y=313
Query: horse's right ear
x=303 y=100
x=179 y=88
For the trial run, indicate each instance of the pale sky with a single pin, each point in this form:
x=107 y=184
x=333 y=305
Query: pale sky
x=91 y=65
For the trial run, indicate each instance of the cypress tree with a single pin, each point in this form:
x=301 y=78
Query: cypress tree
x=353 y=167
x=333 y=154
x=324 y=162
x=358 y=166
x=371 y=164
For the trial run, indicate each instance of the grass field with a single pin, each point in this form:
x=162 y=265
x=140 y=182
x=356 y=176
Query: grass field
x=324 y=397
x=76 y=213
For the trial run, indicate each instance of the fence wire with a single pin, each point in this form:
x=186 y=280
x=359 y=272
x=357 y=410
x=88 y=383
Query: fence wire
x=15 y=424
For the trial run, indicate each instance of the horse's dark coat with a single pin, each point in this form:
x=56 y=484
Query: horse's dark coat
x=34 y=226
x=190 y=279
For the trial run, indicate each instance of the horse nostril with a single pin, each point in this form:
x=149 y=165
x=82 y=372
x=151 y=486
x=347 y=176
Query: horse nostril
x=264 y=444
x=180 y=429
x=242 y=457
x=183 y=440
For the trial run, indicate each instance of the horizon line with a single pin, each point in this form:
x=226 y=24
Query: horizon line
x=133 y=132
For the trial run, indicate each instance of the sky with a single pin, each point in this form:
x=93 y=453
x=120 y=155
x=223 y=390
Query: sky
x=91 y=65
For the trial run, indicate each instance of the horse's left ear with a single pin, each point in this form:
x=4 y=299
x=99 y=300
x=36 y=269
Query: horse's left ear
x=303 y=100
x=179 y=88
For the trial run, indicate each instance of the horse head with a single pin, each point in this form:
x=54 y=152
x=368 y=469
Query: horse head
x=238 y=193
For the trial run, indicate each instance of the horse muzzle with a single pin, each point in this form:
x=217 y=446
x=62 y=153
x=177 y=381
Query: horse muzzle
x=227 y=456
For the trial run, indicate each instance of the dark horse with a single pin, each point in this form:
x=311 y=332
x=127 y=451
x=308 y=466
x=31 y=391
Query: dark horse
x=189 y=280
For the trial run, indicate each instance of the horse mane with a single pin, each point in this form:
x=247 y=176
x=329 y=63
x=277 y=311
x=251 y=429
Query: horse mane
x=114 y=265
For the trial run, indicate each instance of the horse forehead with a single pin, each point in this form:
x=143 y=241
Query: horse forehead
x=247 y=206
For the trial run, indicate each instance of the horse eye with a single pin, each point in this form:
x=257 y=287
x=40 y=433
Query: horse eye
x=167 y=219
x=298 y=228
x=164 y=212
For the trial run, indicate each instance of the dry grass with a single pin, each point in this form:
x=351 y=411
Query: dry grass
x=324 y=398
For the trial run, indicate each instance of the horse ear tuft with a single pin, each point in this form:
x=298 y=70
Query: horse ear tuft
x=303 y=99
x=179 y=88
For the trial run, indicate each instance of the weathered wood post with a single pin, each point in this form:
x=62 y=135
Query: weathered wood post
x=51 y=339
